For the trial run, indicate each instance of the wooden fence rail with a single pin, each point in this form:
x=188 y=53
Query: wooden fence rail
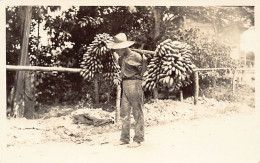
x=77 y=70
x=61 y=69
x=39 y=68
x=196 y=78
x=211 y=69
x=214 y=69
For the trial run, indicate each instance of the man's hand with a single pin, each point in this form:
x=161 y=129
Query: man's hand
x=144 y=58
x=116 y=57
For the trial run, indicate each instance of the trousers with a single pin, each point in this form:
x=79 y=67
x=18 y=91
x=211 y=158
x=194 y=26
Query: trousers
x=132 y=100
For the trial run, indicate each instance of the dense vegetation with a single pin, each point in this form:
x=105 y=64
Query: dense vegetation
x=71 y=32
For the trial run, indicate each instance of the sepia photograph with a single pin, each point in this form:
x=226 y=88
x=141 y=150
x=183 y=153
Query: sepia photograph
x=122 y=83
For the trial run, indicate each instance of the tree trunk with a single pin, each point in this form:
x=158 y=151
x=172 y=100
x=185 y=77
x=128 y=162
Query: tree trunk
x=157 y=23
x=96 y=93
x=28 y=97
x=23 y=104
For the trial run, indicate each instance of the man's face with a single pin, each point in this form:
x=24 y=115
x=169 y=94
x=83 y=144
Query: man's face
x=119 y=51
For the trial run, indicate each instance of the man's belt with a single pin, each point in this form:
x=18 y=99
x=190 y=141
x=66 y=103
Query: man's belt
x=133 y=78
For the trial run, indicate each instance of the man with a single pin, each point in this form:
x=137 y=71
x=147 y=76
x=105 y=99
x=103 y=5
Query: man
x=132 y=68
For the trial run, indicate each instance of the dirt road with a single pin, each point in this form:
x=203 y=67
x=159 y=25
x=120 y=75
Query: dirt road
x=233 y=138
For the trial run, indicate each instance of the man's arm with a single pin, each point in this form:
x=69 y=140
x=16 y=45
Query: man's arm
x=144 y=65
x=115 y=57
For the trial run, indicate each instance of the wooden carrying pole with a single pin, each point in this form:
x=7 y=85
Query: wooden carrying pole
x=144 y=51
x=118 y=99
x=72 y=70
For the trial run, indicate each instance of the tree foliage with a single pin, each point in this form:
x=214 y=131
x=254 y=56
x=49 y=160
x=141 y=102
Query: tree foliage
x=72 y=30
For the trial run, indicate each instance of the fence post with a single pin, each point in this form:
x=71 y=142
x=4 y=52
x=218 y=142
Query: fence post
x=181 y=95
x=234 y=82
x=96 y=94
x=196 y=91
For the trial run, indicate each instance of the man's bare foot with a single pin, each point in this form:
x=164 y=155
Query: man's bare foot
x=134 y=145
x=121 y=143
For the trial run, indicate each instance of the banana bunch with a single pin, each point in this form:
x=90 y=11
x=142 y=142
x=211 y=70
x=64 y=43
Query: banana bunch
x=98 y=59
x=111 y=70
x=99 y=45
x=171 y=66
x=153 y=73
x=90 y=66
x=92 y=59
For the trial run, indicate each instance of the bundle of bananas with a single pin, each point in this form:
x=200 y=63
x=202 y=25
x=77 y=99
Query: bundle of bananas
x=153 y=73
x=111 y=70
x=171 y=66
x=98 y=59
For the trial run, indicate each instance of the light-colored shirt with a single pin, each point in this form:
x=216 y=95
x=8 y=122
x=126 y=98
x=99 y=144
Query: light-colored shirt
x=131 y=66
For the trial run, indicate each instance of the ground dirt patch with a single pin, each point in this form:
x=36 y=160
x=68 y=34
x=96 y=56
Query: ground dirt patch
x=57 y=124
x=174 y=130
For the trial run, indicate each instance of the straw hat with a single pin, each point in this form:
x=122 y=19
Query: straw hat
x=120 y=42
